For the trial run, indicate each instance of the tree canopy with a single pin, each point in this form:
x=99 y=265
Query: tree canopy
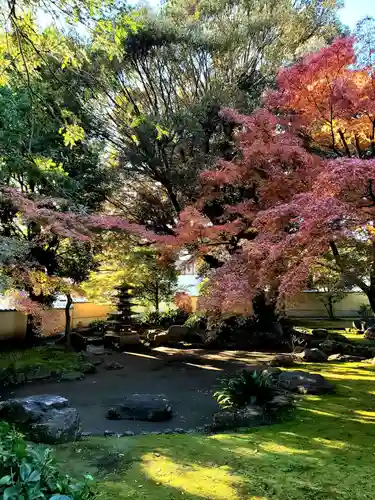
x=308 y=171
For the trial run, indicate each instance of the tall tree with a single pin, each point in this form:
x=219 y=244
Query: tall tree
x=300 y=205
x=167 y=80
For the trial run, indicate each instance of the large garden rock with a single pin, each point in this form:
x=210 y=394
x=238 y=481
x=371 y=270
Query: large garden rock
x=338 y=337
x=46 y=418
x=177 y=333
x=57 y=426
x=357 y=324
x=159 y=339
x=283 y=360
x=304 y=382
x=370 y=333
x=320 y=333
x=129 y=341
x=38 y=373
x=312 y=356
x=151 y=407
x=250 y=416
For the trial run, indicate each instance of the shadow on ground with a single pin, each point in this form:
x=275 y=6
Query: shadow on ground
x=326 y=452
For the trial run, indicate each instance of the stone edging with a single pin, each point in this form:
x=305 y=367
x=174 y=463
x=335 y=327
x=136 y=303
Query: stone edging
x=107 y=433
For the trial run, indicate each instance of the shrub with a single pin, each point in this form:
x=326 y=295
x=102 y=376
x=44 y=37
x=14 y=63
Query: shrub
x=29 y=472
x=245 y=388
x=245 y=332
x=365 y=311
x=98 y=325
x=166 y=319
x=196 y=322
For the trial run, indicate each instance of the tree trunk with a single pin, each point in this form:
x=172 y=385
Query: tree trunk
x=157 y=300
x=371 y=297
x=329 y=308
x=68 y=326
x=32 y=331
x=33 y=325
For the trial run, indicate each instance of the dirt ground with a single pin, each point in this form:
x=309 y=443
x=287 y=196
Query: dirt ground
x=186 y=377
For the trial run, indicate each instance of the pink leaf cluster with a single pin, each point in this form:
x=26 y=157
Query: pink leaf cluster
x=302 y=203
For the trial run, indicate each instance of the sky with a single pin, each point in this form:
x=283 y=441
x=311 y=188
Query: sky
x=354 y=10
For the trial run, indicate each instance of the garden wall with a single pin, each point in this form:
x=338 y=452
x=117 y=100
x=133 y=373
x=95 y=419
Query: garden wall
x=13 y=323
x=310 y=305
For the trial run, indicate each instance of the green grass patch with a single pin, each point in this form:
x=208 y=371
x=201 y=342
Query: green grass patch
x=52 y=358
x=326 y=452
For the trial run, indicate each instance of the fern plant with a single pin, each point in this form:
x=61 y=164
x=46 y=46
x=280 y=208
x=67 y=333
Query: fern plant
x=245 y=388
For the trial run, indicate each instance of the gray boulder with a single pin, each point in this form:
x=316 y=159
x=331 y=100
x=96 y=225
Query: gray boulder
x=71 y=376
x=250 y=416
x=284 y=360
x=178 y=332
x=357 y=324
x=38 y=373
x=345 y=358
x=312 y=356
x=45 y=418
x=150 y=407
x=304 y=382
x=338 y=337
x=370 y=333
x=320 y=333
x=113 y=365
x=57 y=426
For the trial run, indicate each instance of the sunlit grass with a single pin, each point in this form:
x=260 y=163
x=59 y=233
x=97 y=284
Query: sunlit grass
x=326 y=452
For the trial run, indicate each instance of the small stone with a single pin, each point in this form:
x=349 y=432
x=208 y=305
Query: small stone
x=157 y=454
x=129 y=433
x=168 y=431
x=109 y=433
x=346 y=358
x=71 y=376
x=38 y=373
x=199 y=429
x=113 y=365
x=144 y=433
x=179 y=430
x=86 y=434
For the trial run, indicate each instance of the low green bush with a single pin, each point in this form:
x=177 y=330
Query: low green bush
x=29 y=472
x=98 y=325
x=245 y=388
x=196 y=322
x=166 y=319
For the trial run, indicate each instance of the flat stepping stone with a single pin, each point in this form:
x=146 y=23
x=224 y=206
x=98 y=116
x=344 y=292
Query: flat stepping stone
x=147 y=407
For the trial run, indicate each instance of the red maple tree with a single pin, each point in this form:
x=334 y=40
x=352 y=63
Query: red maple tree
x=298 y=193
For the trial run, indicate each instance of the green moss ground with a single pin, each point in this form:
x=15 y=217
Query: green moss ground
x=55 y=359
x=326 y=452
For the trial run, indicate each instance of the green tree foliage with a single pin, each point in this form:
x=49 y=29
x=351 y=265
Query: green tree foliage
x=326 y=279
x=43 y=152
x=123 y=260
x=162 y=89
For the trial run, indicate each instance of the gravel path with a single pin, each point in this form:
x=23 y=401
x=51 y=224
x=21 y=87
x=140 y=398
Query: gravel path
x=186 y=377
